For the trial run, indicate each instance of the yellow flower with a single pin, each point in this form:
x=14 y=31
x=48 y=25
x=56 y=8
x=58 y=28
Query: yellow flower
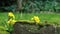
x=10 y=14
x=11 y=18
x=11 y=21
x=36 y=19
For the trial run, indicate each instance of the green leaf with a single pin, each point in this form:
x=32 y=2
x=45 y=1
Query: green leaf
x=2 y=28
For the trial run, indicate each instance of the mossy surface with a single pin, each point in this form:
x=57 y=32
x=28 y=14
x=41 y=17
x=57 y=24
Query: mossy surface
x=27 y=28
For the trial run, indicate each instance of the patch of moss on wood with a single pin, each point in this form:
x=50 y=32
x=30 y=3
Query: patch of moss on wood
x=32 y=28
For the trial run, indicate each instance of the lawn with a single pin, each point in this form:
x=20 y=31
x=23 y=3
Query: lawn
x=52 y=18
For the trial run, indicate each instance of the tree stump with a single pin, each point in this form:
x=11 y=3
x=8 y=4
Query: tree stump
x=26 y=28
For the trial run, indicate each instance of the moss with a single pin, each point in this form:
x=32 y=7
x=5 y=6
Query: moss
x=29 y=28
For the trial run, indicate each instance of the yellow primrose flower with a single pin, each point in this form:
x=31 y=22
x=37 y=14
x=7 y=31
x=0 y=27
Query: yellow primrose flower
x=11 y=18
x=10 y=14
x=11 y=21
x=36 y=19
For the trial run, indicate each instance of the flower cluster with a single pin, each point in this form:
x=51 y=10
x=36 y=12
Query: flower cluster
x=11 y=18
x=36 y=19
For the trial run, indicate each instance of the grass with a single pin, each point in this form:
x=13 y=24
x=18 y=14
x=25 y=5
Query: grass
x=4 y=32
x=52 y=18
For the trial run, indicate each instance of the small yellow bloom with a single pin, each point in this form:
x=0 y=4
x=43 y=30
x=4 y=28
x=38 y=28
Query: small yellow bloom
x=10 y=14
x=8 y=22
x=11 y=21
x=36 y=19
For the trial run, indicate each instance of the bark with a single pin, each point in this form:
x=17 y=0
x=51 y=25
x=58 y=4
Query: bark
x=19 y=5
